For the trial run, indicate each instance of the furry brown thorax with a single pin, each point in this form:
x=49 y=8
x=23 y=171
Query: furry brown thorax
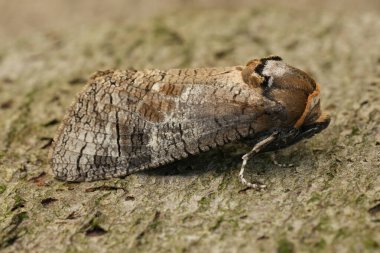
x=295 y=90
x=291 y=87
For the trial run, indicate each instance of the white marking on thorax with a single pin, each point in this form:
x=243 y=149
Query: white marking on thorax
x=275 y=68
x=270 y=82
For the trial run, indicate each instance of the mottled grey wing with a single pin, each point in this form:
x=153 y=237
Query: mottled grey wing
x=126 y=121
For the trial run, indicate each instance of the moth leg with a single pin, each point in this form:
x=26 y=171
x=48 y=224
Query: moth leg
x=256 y=149
x=282 y=165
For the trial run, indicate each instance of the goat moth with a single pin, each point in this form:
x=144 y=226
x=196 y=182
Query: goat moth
x=126 y=121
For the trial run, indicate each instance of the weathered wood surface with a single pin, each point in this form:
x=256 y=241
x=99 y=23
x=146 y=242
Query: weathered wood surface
x=199 y=205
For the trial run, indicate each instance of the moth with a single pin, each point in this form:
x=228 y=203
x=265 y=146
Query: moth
x=126 y=121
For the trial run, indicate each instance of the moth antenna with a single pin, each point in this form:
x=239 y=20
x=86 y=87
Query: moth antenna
x=276 y=162
x=256 y=149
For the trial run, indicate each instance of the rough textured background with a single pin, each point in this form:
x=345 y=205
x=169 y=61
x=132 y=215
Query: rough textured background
x=48 y=50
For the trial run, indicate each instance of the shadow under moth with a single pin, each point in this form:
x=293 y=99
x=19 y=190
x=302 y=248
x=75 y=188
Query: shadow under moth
x=126 y=121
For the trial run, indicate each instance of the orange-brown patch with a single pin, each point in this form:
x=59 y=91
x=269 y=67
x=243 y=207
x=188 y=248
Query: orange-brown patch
x=324 y=117
x=150 y=113
x=170 y=89
x=308 y=106
x=249 y=76
x=154 y=109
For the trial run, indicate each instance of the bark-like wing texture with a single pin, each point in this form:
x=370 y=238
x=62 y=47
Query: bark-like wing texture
x=126 y=121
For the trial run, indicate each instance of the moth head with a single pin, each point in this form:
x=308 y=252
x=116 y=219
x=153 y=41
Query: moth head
x=293 y=89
